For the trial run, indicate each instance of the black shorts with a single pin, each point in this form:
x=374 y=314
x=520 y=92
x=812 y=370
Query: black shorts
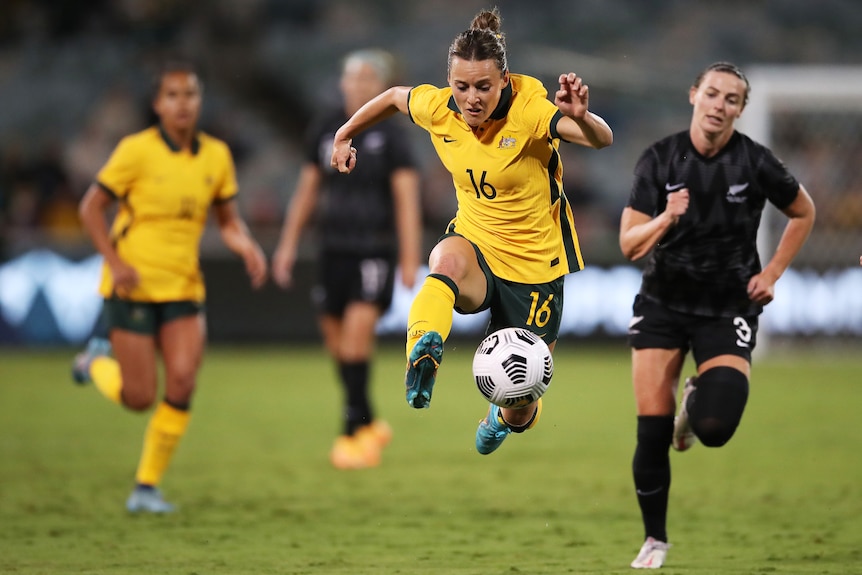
x=536 y=307
x=345 y=279
x=145 y=317
x=655 y=326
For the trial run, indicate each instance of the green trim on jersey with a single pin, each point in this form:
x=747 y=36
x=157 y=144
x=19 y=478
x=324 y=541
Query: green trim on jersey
x=196 y=142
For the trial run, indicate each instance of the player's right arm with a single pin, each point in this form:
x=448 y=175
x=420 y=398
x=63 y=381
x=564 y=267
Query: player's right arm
x=92 y=211
x=298 y=214
x=640 y=232
x=376 y=110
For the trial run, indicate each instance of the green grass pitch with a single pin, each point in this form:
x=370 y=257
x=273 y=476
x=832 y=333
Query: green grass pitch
x=256 y=493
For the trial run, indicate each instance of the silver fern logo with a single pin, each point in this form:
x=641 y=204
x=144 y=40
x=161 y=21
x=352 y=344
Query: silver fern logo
x=734 y=193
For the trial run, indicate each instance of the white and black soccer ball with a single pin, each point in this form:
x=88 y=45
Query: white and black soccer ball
x=513 y=367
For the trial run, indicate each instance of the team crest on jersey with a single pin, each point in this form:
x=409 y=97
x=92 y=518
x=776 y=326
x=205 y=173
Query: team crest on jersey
x=506 y=143
x=734 y=193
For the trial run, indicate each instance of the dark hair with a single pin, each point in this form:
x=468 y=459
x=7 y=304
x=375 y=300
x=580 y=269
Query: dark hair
x=170 y=67
x=483 y=41
x=728 y=68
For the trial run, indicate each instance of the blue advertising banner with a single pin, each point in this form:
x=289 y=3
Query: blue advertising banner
x=48 y=299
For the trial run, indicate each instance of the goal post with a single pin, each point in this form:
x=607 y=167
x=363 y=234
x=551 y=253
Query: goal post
x=811 y=118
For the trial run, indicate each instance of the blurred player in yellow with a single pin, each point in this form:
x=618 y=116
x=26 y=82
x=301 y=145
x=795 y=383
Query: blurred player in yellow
x=368 y=224
x=513 y=239
x=163 y=181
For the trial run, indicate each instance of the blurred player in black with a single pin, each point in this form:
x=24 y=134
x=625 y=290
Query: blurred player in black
x=368 y=224
x=694 y=209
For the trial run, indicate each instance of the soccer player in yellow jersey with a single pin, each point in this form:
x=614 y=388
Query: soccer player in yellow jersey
x=513 y=238
x=164 y=181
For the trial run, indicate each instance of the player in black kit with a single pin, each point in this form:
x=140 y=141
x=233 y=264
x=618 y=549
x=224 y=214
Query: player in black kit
x=367 y=224
x=694 y=209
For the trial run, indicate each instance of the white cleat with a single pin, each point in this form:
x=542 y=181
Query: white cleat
x=652 y=554
x=683 y=436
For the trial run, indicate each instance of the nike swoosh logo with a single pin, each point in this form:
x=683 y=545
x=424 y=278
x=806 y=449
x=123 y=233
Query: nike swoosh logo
x=448 y=140
x=635 y=320
x=672 y=187
x=651 y=492
x=736 y=188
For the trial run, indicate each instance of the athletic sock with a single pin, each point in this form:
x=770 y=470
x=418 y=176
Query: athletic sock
x=534 y=419
x=354 y=379
x=432 y=309
x=167 y=426
x=105 y=373
x=651 y=470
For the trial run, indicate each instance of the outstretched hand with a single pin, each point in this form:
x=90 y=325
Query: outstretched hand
x=573 y=97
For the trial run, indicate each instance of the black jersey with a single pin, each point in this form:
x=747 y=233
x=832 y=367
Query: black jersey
x=703 y=264
x=355 y=212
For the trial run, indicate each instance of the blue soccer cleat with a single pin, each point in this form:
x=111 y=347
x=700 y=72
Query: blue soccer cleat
x=425 y=358
x=96 y=347
x=491 y=431
x=147 y=499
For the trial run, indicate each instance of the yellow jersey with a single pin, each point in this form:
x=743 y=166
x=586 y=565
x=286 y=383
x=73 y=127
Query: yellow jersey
x=164 y=196
x=508 y=179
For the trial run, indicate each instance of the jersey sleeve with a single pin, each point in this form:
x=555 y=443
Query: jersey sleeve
x=541 y=117
x=227 y=187
x=122 y=169
x=780 y=185
x=421 y=103
x=643 y=196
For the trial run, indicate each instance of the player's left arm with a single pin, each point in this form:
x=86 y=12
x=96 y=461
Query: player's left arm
x=408 y=222
x=801 y=213
x=239 y=240
x=578 y=125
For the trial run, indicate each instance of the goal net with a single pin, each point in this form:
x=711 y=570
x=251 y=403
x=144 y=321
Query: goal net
x=811 y=117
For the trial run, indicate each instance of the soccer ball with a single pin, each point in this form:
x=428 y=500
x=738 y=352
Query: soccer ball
x=512 y=367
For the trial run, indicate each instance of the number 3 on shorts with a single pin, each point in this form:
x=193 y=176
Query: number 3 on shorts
x=743 y=332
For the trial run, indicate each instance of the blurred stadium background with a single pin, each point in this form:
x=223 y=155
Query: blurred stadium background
x=74 y=78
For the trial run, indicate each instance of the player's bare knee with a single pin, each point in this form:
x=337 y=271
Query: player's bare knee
x=452 y=264
x=137 y=399
x=717 y=404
